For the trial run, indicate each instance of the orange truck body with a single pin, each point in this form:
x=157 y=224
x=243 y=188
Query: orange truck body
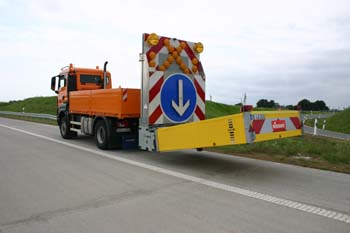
x=87 y=104
x=120 y=102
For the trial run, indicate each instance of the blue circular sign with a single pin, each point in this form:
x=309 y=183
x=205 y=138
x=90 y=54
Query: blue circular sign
x=178 y=98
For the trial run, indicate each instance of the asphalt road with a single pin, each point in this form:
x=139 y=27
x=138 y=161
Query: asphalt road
x=48 y=184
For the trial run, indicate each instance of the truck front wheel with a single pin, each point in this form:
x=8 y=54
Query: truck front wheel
x=64 y=129
x=101 y=135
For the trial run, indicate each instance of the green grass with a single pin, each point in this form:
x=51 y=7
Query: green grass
x=340 y=122
x=214 y=109
x=265 y=109
x=333 y=151
x=34 y=105
x=309 y=151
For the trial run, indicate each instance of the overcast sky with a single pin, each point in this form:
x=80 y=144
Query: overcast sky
x=280 y=50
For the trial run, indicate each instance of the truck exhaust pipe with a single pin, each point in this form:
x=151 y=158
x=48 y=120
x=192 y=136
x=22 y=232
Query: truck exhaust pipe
x=105 y=75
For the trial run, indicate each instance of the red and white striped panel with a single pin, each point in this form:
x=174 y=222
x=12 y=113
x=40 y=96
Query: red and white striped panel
x=125 y=94
x=157 y=74
x=271 y=125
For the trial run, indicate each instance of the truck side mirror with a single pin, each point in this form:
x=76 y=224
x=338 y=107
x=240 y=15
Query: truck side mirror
x=54 y=82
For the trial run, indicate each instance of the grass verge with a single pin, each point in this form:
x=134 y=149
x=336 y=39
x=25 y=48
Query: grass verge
x=213 y=109
x=308 y=151
x=46 y=105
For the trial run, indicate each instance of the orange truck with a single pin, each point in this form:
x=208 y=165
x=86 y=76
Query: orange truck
x=167 y=113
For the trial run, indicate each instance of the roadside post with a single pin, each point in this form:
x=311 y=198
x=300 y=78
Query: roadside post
x=324 y=124
x=315 y=127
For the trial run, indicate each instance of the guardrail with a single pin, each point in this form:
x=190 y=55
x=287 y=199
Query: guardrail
x=28 y=114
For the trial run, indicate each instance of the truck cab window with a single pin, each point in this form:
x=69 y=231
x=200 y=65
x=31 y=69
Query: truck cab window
x=86 y=78
x=62 y=81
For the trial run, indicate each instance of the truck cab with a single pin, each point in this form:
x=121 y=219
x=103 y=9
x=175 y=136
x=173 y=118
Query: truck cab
x=77 y=79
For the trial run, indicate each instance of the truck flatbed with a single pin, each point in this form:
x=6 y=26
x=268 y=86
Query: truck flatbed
x=120 y=102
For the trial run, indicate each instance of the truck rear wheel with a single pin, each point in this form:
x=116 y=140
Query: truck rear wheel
x=101 y=135
x=66 y=133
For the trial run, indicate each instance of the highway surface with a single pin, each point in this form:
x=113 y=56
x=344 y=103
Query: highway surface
x=48 y=184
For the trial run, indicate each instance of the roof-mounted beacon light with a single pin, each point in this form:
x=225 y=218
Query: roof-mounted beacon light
x=153 y=39
x=198 y=47
x=71 y=68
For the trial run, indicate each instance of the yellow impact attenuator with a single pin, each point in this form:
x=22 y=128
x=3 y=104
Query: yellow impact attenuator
x=227 y=130
x=248 y=127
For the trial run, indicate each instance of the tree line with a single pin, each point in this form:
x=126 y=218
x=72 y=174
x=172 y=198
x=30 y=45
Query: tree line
x=304 y=104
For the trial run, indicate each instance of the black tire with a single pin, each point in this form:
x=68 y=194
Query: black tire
x=66 y=133
x=101 y=135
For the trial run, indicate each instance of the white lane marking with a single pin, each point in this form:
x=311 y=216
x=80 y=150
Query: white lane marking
x=245 y=192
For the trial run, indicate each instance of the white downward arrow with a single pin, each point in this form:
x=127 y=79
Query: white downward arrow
x=181 y=108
